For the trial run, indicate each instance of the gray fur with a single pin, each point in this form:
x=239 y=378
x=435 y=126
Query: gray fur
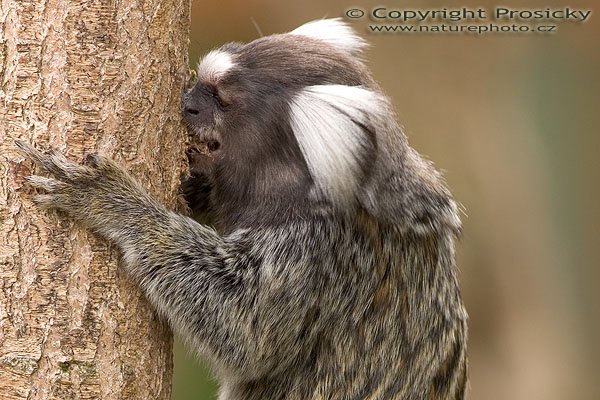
x=292 y=295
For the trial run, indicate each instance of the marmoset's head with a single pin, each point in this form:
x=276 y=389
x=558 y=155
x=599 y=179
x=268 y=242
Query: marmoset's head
x=295 y=120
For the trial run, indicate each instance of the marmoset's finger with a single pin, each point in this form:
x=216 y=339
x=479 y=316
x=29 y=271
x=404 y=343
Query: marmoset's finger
x=41 y=182
x=92 y=160
x=51 y=161
x=45 y=200
x=31 y=152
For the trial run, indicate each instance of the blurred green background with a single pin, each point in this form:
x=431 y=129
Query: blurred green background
x=513 y=121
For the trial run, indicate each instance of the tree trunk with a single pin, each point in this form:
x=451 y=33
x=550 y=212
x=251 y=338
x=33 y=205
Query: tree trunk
x=83 y=76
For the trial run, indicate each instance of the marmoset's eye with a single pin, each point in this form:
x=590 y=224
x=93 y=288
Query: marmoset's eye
x=214 y=92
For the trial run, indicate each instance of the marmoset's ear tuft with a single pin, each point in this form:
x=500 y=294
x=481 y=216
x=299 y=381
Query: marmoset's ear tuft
x=330 y=123
x=334 y=32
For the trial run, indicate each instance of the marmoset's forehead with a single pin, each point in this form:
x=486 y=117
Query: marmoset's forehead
x=323 y=43
x=214 y=65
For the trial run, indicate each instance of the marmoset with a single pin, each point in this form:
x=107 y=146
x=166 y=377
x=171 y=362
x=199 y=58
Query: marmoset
x=329 y=272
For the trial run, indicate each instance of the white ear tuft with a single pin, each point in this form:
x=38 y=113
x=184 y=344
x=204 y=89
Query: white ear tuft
x=328 y=122
x=334 y=32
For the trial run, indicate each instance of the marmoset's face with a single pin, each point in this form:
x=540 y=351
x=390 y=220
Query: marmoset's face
x=287 y=116
x=248 y=87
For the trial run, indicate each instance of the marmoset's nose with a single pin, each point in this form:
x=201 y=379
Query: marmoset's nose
x=189 y=106
x=197 y=108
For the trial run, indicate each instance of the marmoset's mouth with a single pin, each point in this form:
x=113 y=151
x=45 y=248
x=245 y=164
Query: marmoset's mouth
x=203 y=147
x=213 y=145
x=204 y=142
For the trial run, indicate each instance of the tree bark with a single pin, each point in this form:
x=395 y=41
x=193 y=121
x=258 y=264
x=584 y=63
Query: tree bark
x=84 y=76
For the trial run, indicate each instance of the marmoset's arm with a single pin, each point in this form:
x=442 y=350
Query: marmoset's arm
x=240 y=299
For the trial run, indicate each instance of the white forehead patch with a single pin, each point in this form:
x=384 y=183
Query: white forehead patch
x=328 y=122
x=214 y=65
x=334 y=32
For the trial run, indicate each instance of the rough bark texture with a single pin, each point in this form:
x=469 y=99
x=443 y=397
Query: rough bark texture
x=84 y=76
